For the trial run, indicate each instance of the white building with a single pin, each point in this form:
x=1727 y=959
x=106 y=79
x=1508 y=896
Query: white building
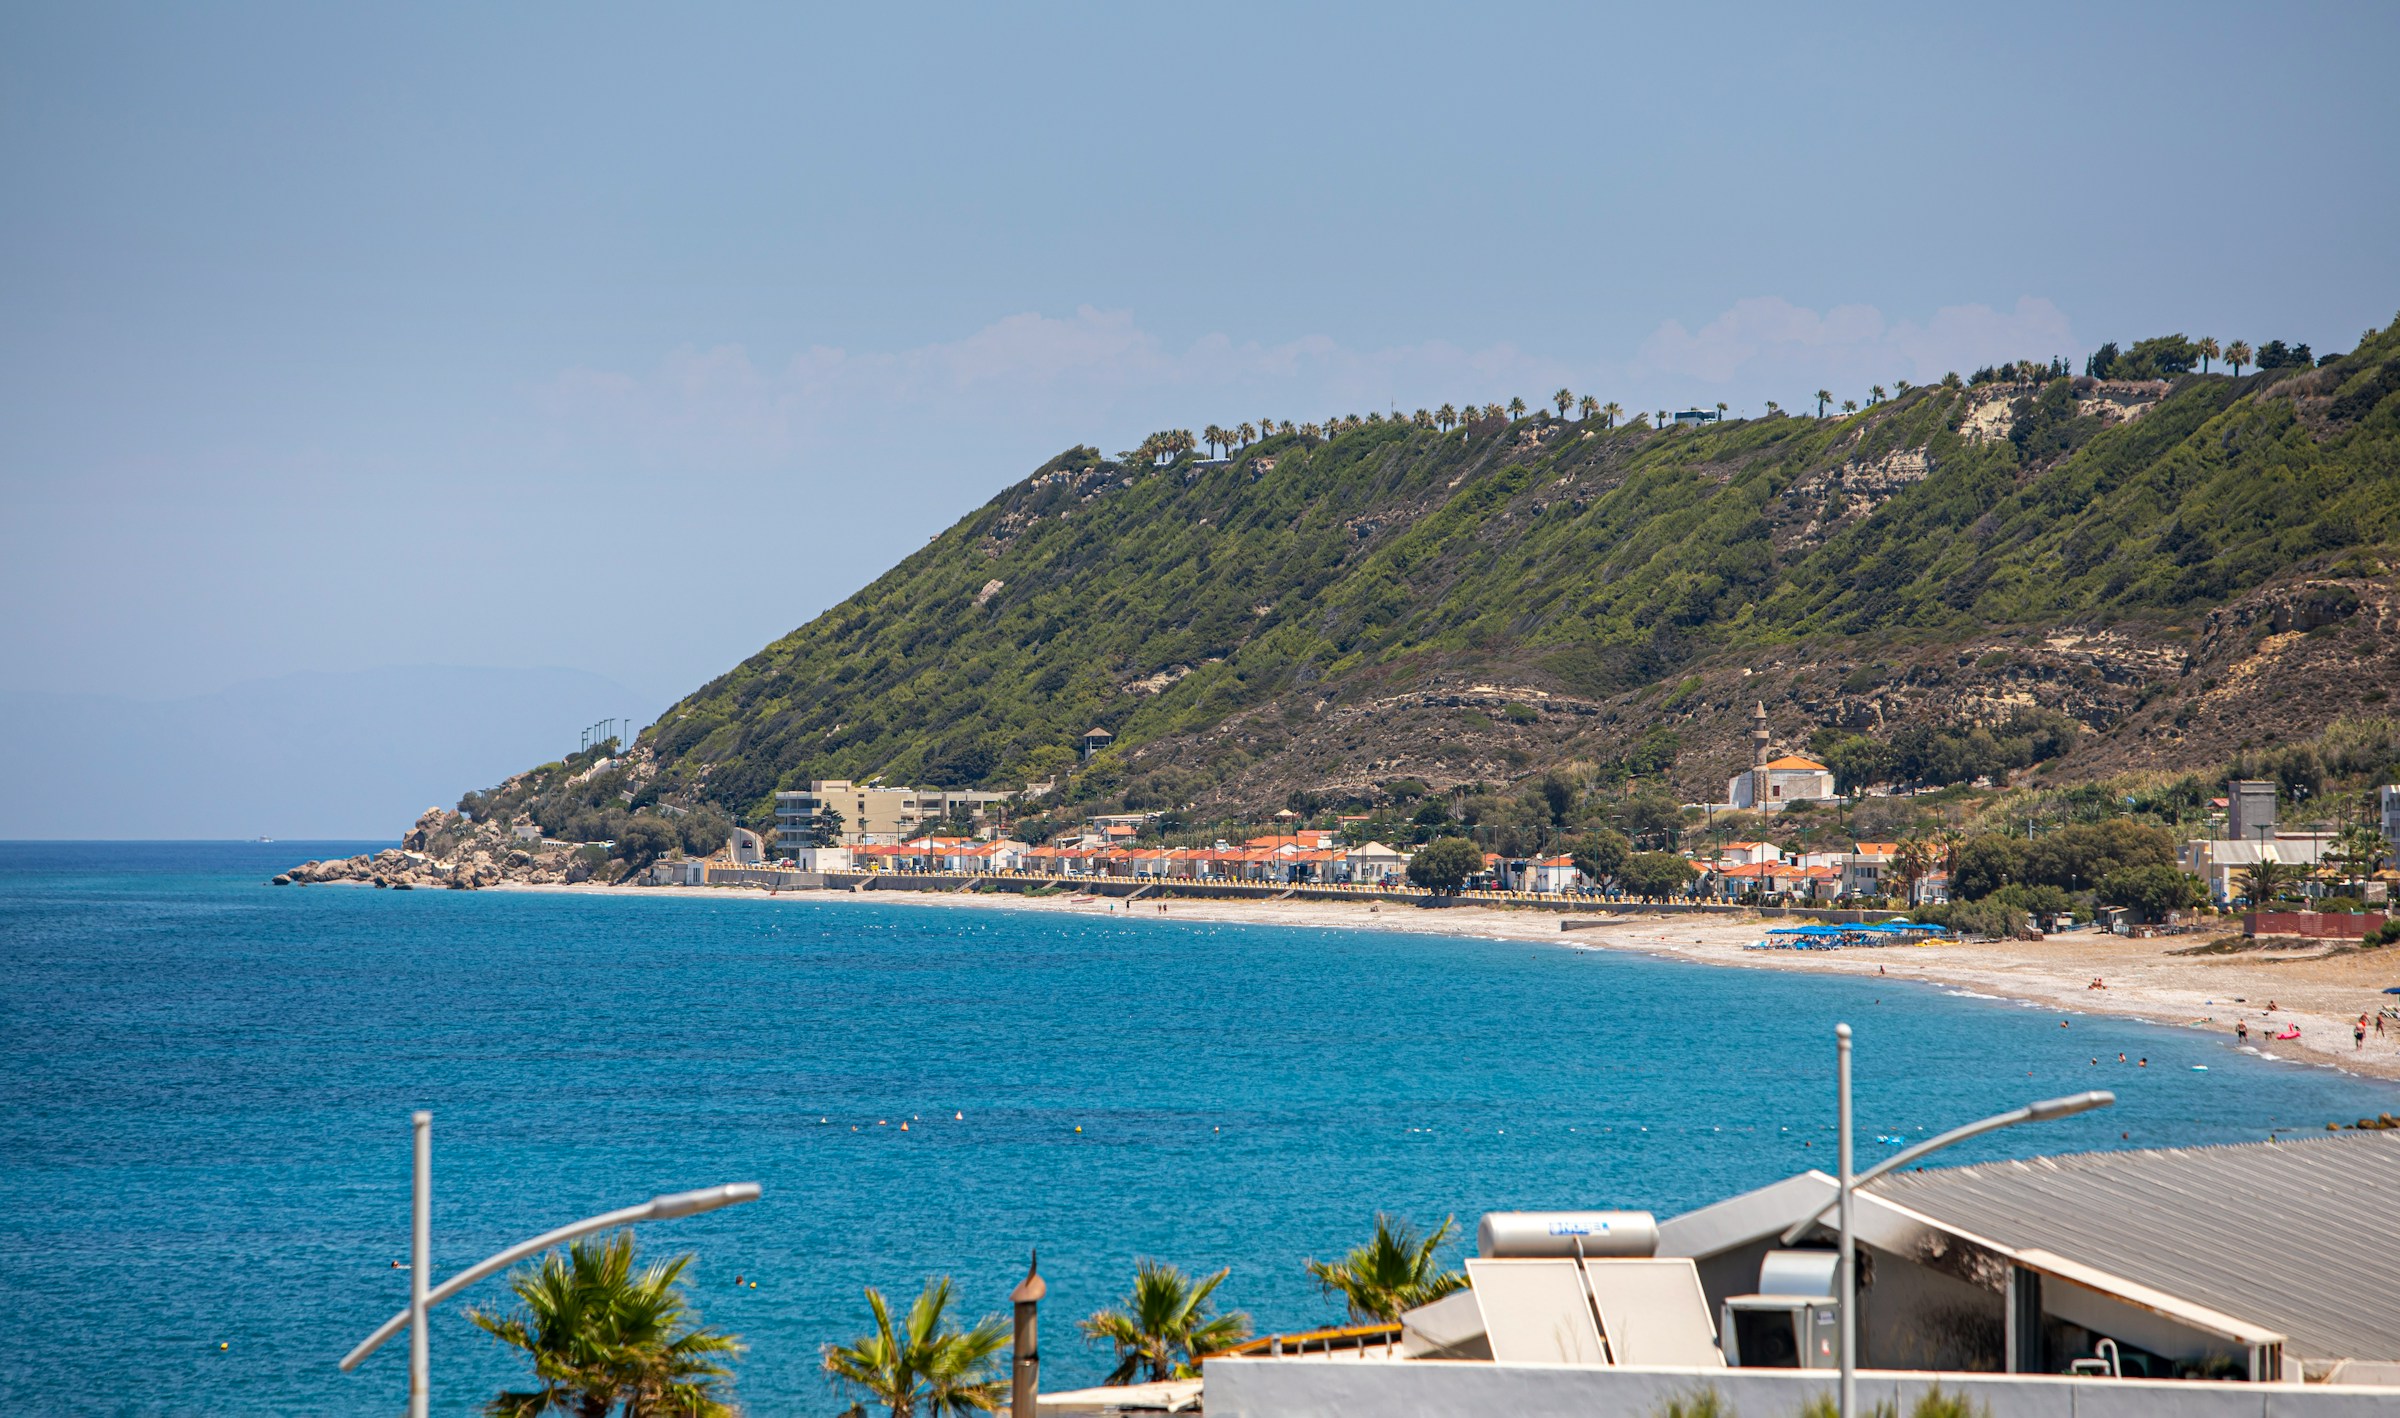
x=1375 y=862
x=1772 y=784
x=2221 y=863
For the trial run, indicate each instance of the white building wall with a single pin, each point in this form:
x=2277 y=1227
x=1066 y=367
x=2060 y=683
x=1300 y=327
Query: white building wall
x=1314 y=1388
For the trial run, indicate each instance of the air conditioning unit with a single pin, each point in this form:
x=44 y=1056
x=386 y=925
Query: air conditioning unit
x=1794 y=1322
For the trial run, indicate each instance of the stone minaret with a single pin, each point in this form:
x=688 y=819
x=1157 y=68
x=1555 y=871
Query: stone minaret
x=1758 y=743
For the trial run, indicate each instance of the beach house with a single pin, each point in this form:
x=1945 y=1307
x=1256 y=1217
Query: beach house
x=1374 y=862
x=1868 y=869
x=2148 y=1282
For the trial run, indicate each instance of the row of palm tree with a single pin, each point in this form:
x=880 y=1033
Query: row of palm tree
x=1586 y=407
x=1168 y=444
x=608 y=1337
x=1161 y=1330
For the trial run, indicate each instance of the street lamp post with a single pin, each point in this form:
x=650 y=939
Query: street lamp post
x=1847 y=1185
x=423 y=1295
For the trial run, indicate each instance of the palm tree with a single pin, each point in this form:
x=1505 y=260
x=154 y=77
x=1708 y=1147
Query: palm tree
x=1773 y=407
x=601 y=1335
x=1392 y=1273
x=925 y=1361
x=1849 y=406
x=1585 y=407
x=1610 y=412
x=2359 y=851
x=1902 y=385
x=1875 y=394
x=1822 y=396
x=1444 y=417
x=2207 y=350
x=1246 y=435
x=1164 y=1325
x=1911 y=861
x=1946 y=842
x=1212 y=436
x=2237 y=354
x=2265 y=880
x=1564 y=401
x=1722 y=406
x=1516 y=409
x=1493 y=411
x=1311 y=432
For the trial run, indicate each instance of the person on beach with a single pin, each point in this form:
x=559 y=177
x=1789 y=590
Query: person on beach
x=2241 y=1030
x=2358 y=1033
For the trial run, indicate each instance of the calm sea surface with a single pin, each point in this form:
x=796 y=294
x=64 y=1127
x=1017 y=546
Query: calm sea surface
x=207 y=1084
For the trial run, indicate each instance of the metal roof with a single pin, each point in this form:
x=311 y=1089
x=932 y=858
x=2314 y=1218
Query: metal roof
x=2292 y=1234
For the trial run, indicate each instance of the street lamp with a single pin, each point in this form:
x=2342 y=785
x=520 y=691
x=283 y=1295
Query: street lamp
x=1847 y=1185
x=424 y=1295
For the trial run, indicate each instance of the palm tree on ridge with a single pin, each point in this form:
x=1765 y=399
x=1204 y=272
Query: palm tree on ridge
x=1444 y=417
x=1822 y=396
x=1564 y=401
x=1516 y=409
x=2237 y=354
x=1875 y=394
x=2206 y=348
x=1586 y=407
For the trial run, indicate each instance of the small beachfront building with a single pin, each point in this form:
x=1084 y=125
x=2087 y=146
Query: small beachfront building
x=1375 y=863
x=1553 y=874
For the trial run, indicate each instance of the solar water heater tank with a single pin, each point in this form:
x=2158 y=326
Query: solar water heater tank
x=1591 y=1234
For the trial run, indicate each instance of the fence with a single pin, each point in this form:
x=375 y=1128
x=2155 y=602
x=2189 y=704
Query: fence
x=2311 y=923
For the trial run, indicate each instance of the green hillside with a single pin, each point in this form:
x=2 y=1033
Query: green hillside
x=1164 y=599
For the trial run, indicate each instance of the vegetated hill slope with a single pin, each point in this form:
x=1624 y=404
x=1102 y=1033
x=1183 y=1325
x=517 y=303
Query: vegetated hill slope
x=2182 y=568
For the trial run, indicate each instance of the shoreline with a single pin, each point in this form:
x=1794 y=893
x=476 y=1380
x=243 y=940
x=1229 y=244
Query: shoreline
x=2322 y=993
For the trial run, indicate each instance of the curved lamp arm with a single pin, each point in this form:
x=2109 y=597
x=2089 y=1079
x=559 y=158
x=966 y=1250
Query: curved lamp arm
x=657 y=1208
x=2040 y=1112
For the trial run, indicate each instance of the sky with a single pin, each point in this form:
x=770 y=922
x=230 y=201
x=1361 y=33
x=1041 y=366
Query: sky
x=622 y=340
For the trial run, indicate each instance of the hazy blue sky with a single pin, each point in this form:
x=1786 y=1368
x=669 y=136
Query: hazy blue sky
x=624 y=340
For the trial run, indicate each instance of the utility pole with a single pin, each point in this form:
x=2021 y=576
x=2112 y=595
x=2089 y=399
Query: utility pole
x=1847 y=1266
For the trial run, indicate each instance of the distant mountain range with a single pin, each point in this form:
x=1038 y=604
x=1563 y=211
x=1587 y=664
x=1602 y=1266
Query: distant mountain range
x=354 y=755
x=2183 y=567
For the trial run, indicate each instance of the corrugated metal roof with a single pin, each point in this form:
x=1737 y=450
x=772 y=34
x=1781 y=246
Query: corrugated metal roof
x=2297 y=1235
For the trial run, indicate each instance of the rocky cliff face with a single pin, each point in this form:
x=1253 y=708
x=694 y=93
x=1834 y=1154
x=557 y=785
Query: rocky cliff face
x=444 y=849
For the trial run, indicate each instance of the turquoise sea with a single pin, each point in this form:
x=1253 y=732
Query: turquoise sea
x=207 y=1084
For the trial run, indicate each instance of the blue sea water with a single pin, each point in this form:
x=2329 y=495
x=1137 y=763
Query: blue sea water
x=207 y=1084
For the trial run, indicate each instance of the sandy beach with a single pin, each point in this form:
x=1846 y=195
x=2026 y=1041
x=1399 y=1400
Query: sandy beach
x=2323 y=991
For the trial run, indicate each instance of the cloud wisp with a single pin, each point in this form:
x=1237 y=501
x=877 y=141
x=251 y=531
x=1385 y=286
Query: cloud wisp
x=1100 y=371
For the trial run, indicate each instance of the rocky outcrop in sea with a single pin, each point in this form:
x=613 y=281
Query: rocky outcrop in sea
x=447 y=850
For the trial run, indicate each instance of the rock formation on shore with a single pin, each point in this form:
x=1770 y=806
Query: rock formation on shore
x=445 y=849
